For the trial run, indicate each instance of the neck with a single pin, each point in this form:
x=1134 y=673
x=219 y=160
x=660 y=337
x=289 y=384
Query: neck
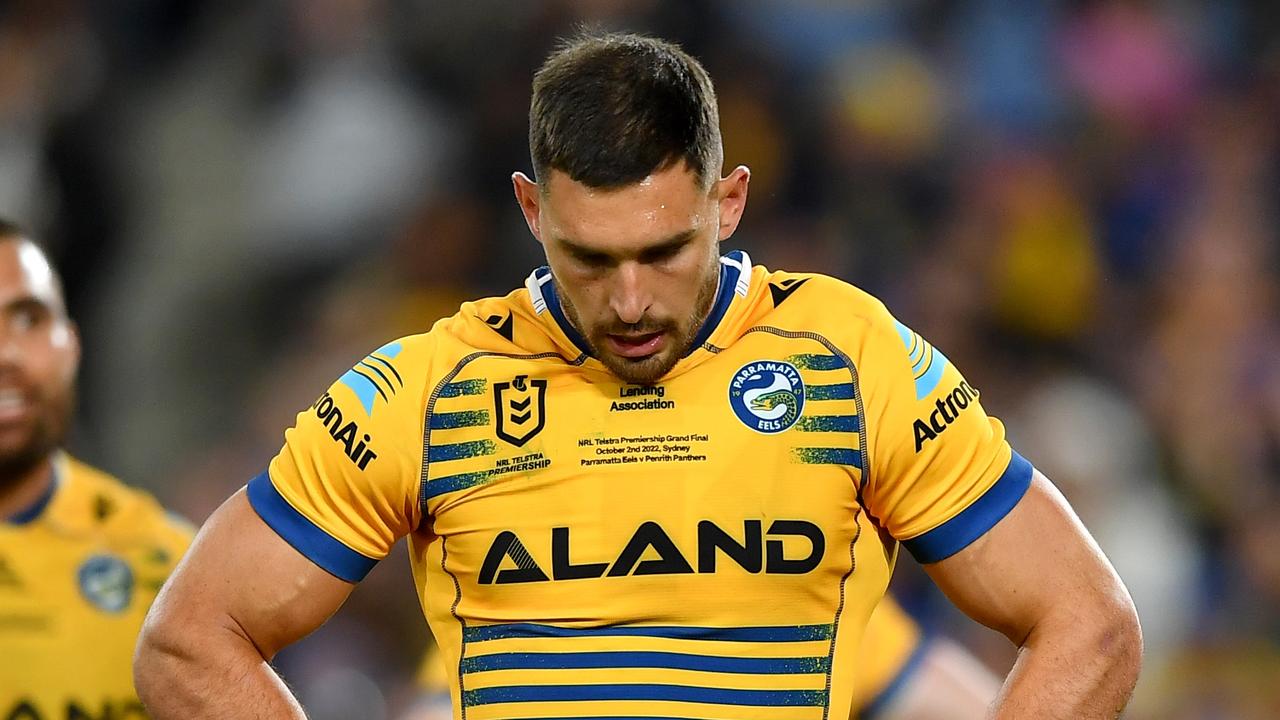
x=20 y=492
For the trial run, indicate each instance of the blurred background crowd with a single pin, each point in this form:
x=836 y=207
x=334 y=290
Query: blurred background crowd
x=1078 y=202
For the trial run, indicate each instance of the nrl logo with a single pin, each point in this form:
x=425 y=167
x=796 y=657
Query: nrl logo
x=520 y=406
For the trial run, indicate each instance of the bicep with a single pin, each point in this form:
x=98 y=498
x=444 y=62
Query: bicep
x=241 y=576
x=1037 y=560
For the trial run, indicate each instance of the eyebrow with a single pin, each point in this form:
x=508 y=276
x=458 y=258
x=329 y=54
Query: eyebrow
x=666 y=245
x=28 y=302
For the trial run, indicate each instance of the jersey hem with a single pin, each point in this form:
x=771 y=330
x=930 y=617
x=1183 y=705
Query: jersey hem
x=305 y=536
x=974 y=521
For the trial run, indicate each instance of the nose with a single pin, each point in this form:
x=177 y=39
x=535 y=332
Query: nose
x=10 y=351
x=630 y=298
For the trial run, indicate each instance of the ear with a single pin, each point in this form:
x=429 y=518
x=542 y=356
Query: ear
x=529 y=196
x=731 y=195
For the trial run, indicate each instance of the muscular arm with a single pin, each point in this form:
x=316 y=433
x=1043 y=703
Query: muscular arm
x=238 y=597
x=1038 y=577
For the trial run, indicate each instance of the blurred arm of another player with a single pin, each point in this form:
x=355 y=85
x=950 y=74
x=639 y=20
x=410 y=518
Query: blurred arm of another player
x=905 y=675
x=239 y=596
x=945 y=683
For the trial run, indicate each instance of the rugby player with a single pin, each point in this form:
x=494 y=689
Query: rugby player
x=81 y=555
x=656 y=481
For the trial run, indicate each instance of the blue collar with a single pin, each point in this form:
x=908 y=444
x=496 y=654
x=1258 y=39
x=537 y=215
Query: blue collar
x=735 y=269
x=33 y=511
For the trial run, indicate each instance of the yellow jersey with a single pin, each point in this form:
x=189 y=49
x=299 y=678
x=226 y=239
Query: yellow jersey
x=78 y=571
x=708 y=546
x=892 y=647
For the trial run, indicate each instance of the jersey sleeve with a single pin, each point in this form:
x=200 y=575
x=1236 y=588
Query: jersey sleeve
x=941 y=472
x=344 y=487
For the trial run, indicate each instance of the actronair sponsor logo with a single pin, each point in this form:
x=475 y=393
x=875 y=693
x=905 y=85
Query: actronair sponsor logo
x=346 y=433
x=945 y=411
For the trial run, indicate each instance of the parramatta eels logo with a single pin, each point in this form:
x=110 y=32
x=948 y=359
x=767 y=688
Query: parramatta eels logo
x=106 y=582
x=767 y=396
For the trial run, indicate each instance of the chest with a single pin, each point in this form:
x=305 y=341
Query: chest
x=744 y=469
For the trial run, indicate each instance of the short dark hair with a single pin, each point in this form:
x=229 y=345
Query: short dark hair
x=610 y=109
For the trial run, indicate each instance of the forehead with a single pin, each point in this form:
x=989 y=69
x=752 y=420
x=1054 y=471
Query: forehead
x=666 y=202
x=24 y=271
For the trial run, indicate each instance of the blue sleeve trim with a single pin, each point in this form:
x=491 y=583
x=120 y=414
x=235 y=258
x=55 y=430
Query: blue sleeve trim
x=882 y=700
x=305 y=536
x=974 y=521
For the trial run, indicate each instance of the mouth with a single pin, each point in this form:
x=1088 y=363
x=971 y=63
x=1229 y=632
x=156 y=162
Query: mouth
x=637 y=346
x=14 y=406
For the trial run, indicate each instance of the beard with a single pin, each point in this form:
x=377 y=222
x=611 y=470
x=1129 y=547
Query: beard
x=648 y=370
x=46 y=433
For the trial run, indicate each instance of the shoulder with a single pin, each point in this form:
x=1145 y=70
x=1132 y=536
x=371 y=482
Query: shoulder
x=125 y=514
x=833 y=308
x=502 y=325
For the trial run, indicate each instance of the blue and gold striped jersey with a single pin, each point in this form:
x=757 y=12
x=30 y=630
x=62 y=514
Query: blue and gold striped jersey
x=78 y=572
x=892 y=648
x=710 y=546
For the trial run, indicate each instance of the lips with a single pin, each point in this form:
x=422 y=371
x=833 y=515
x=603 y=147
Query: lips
x=637 y=346
x=14 y=405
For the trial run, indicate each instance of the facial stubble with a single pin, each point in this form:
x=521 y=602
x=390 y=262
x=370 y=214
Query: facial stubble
x=651 y=369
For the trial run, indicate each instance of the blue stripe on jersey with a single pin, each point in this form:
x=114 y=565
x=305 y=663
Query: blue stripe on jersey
x=817 y=362
x=927 y=363
x=827 y=456
x=839 y=391
x=928 y=382
x=464 y=387
x=363 y=386
x=305 y=536
x=461 y=451
x=449 y=484
x=455 y=420
x=645 y=691
x=625 y=659
x=873 y=709
x=904 y=334
x=828 y=423
x=768 y=633
x=971 y=523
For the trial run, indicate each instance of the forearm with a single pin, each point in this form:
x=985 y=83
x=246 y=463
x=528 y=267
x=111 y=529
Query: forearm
x=220 y=674
x=1074 y=670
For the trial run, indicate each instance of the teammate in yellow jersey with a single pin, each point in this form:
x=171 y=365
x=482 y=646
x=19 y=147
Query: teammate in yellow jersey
x=653 y=482
x=81 y=555
x=906 y=676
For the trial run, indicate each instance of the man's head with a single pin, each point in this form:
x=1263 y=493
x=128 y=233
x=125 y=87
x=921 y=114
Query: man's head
x=39 y=353
x=629 y=204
